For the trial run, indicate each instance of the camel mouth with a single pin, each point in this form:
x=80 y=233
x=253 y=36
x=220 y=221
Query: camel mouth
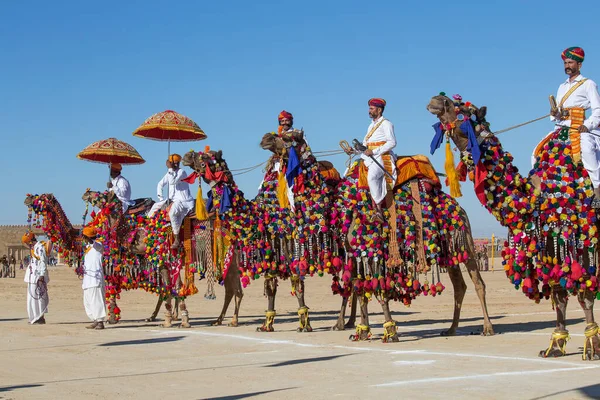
x=435 y=109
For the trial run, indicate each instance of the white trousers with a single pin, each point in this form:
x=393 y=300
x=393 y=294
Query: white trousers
x=179 y=209
x=94 y=303
x=37 y=303
x=377 y=183
x=590 y=156
x=156 y=206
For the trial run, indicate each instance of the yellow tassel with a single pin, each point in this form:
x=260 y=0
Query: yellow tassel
x=451 y=173
x=284 y=202
x=201 y=213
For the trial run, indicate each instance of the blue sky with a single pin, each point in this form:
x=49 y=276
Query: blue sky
x=76 y=72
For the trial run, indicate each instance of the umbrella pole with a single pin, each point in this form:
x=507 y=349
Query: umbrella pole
x=169 y=149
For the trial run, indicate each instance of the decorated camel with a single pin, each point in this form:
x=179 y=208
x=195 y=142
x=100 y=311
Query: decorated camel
x=429 y=231
x=137 y=250
x=280 y=234
x=551 y=251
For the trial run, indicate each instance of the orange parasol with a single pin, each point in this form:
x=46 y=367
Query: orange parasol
x=111 y=151
x=170 y=126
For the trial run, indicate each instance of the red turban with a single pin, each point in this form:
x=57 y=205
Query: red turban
x=286 y=115
x=574 y=53
x=377 y=102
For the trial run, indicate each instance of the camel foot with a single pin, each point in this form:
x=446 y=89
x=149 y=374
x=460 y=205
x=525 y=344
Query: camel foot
x=265 y=328
x=448 y=332
x=185 y=325
x=591 y=346
x=234 y=323
x=339 y=326
x=112 y=320
x=351 y=324
x=269 y=321
x=150 y=319
x=558 y=345
x=488 y=330
x=304 y=320
x=218 y=322
x=390 y=333
x=363 y=332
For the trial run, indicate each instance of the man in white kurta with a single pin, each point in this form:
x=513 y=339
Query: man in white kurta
x=120 y=186
x=93 y=280
x=36 y=276
x=380 y=141
x=179 y=194
x=580 y=92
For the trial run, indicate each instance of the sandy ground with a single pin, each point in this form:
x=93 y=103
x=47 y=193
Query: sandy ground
x=138 y=360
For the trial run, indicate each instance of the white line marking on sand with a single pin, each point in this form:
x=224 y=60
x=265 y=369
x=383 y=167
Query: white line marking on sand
x=369 y=349
x=479 y=376
x=415 y=362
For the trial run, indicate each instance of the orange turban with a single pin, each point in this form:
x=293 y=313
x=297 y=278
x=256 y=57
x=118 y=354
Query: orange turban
x=174 y=158
x=90 y=231
x=28 y=237
x=116 y=167
x=377 y=102
x=286 y=115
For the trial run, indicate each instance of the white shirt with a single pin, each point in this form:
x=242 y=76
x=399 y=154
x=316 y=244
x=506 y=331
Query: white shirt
x=586 y=96
x=178 y=190
x=37 y=264
x=384 y=133
x=93 y=273
x=121 y=188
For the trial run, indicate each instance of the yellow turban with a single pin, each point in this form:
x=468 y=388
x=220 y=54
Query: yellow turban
x=89 y=231
x=116 y=167
x=27 y=237
x=174 y=158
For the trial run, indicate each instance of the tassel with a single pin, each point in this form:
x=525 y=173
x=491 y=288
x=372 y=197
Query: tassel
x=201 y=213
x=282 y=196
x=451 y=173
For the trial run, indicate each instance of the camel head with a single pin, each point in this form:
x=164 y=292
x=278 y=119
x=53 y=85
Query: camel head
x=96 y=199
x=280 y=143
x=210 y=165
x=454 y=115
x=38 y=201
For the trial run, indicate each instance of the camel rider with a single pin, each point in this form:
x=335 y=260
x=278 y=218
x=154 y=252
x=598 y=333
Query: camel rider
x=579 y=92
x=120 y=186
x=380 y=142
x=179 y=194
x=36 y=276
x=93 y=279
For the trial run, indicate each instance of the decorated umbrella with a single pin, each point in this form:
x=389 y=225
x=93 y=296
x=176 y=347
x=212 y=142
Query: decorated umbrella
x=111 y=151
x=170 y=126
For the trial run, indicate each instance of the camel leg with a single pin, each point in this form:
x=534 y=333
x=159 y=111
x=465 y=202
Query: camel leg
x=488 y=329
x=112 y=305
x=591 y=346
x=176 y=309
x=460 y=288
x=152 y=318
x=390 y=333
x=363 y=330
x=298 y=288
x=558 y=341
x=352 y=320
x=339 y=325
x=168 y=313
x=185 y=318
x=226 y=301
x=239 y=294
x=270 y=292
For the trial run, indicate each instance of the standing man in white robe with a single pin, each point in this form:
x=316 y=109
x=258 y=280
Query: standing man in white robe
x=179 y=194
x=36 y=276
x=120 y=186
x=93 y=280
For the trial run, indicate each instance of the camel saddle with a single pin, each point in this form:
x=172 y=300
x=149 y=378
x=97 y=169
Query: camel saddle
x=416 y=167
x=140 y=206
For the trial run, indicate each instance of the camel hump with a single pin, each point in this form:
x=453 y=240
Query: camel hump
x=415 y=167
x=328 y=171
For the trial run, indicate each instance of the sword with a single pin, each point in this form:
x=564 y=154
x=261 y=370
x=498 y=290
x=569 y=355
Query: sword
x=360 y=147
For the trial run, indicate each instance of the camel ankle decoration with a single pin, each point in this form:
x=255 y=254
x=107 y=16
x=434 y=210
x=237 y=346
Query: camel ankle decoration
x=552 y=235
x=425 y=230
